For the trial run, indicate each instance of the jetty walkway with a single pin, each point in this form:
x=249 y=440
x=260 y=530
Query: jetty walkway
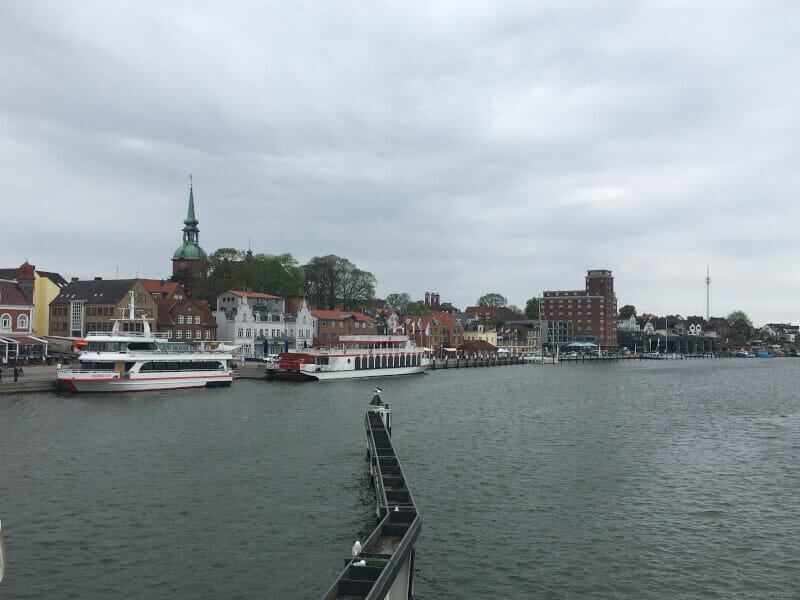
x=383 y=567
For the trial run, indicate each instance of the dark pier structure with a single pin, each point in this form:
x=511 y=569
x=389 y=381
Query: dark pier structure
x=383 y=567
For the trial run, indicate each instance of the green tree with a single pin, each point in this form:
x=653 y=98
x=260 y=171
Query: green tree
x=627 y=311
x=417 y=308
x=492 y=299
x=532 y=308
x=332 y=279
x=739 y=326
x=278 y=274
x=398 y=300
x=186 y=278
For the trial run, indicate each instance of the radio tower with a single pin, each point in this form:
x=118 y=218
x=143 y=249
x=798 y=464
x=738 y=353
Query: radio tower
x=708 y=292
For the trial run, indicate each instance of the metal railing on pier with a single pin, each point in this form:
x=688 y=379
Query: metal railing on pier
x=385 y=562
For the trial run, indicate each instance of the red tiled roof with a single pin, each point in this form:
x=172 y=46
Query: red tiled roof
x=10 y=293
x=444 y=319
x=335 y=315
x=254 y=295
x=159 y=285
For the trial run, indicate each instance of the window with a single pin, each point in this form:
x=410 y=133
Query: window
x=240 y=332
x=179 y=335
x=22 y=322
x=341 y=324
x=197 y=321
x=169 y=334
x=180 y=319
x=208 y=334
x=324 y=324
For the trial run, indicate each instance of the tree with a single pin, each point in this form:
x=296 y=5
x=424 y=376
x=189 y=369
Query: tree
x=278 y=274
x=532 y=308
x=627 y=311
x=231 y=269
x=739 y=326
x=417 y=308
x=398 y=300
x=331 y=279
x=186 y=278
x=492 y=299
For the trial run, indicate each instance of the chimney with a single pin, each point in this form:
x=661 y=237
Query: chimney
x=74 y=279
x=436 y=302
x=427 y=299
x=98 y=279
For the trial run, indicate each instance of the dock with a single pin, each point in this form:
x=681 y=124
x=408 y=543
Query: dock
x=383 y=567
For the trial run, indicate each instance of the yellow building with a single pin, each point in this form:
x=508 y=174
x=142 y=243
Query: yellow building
x=479 y=331
x=44 y=286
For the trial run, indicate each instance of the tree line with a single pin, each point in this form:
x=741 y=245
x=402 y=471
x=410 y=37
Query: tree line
x=330 y=281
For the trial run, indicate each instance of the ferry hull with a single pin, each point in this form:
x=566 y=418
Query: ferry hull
x=332 y=375
x=142 y=385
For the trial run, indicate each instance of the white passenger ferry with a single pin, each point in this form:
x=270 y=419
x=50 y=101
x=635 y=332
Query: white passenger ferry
x=134 y=361
x=358 y=356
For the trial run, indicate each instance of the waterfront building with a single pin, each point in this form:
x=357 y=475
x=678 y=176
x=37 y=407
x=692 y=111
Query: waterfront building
x=477 y=349
x=785 y=332
x=440 y=332
x=186 y=260
x=591 y=312
x=91 y=305
x=258 y=324
x=478 y=330
x=17 y=311
x=522 y=337
x=42 y=286
x=331 y=324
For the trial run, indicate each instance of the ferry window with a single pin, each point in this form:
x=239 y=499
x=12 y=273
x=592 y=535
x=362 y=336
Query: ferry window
x=129 y=365
x=141 y=346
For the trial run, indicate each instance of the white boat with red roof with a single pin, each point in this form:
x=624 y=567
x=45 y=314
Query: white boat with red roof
x=357 y=356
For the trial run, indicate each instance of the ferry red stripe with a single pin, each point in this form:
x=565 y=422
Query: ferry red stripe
x=144 y=378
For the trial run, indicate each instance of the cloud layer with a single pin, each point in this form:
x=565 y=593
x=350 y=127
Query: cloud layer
x=453 y=147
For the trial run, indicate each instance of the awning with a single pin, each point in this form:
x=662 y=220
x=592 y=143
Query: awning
x=27 y=340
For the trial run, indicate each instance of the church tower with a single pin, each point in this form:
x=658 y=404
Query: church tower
x=187 y=258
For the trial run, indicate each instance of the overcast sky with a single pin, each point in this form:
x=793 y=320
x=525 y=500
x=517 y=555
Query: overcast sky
x=452 y=147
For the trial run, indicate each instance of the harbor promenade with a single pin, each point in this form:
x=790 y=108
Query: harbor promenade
x=35 y=379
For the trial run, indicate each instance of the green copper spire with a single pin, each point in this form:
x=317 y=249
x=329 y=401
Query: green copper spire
x=190 y=249
x=190 y=219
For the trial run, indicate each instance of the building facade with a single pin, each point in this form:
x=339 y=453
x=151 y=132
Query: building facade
x=41 y=286
x=591 y=312
x=92 y=305
x=331 y=324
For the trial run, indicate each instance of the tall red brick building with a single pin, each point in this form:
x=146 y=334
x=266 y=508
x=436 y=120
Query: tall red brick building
x=592 y=311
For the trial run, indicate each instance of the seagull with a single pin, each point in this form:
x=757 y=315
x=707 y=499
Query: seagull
x=356 y=548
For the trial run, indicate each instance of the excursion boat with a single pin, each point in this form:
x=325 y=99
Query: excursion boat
x=358 y=356
x=138 y=361
x=744 y=354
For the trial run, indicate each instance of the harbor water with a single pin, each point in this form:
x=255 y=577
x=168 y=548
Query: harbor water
x=657 y=479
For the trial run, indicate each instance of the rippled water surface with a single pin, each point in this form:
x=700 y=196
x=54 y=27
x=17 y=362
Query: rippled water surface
x=674 y=479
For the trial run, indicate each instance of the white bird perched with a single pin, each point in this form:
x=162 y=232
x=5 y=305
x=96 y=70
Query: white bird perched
x=361 y=563
x=356 y=548
x=396 y=508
